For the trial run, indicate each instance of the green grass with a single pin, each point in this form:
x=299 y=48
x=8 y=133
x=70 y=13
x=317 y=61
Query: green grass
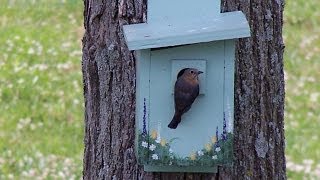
x=302 y=67
x=41 y=103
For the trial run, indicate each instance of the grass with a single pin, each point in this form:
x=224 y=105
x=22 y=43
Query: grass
x=302 y=67
x=41 y=103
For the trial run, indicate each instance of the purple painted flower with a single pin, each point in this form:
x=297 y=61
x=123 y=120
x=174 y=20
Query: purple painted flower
x=217 y=136
x=224 y=132
x=217 y=133
x=144 y=130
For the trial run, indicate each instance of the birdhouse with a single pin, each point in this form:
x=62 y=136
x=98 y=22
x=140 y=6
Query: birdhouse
x=185 y=34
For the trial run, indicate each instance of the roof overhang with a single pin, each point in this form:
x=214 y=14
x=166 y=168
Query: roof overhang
x=230 y=25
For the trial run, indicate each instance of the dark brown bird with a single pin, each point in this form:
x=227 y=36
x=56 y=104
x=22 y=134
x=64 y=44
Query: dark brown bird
x=186 y=90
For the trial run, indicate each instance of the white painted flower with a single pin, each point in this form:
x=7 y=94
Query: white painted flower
x=170 y=151
x=144 y=144
x=218 y=149
x=200 y=153
x=170 y=163
x=215 y=157
x=152 y=147
x=158 y=140
x=155 y=156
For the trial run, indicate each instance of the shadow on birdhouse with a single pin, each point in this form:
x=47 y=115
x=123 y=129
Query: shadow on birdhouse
x=197 y=36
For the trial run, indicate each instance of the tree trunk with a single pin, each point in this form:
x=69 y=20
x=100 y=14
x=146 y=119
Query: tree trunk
x=109 y=91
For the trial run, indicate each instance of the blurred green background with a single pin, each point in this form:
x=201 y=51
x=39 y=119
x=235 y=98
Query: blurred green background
x=302 y=75
x=41 y=101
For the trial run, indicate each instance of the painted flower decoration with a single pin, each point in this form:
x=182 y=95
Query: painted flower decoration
x=170 y=151
x=158 y=140
x=155 y=156
x=163 y=142
x=193 y=156
x=144 y=144
x=152 y=147
x=154 y=134
x=218 y=149
x=214 y=139
x=208 y=147
x=215 y=157
x=200 y=153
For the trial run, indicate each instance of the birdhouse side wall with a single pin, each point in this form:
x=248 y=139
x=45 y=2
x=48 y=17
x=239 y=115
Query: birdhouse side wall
x=142 y=102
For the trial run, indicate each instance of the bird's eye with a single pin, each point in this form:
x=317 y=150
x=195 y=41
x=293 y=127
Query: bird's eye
x=191 y=72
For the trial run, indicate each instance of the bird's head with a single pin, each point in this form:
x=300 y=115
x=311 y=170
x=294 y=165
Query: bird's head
x=191 y=73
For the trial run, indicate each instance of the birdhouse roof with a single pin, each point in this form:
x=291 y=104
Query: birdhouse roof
x=221 y=26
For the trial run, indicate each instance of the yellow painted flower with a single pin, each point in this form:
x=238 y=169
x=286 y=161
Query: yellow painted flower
x=154 y=134
x=193 y=156
x=214 y=139
x=208 y=147
x=163 y=142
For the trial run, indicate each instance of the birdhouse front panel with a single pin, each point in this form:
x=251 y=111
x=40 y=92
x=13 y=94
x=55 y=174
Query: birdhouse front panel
x=203 y=138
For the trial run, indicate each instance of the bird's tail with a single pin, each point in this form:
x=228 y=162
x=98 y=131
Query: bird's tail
x=175 y=121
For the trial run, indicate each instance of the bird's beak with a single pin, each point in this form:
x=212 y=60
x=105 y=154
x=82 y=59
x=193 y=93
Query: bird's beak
x=200 y=72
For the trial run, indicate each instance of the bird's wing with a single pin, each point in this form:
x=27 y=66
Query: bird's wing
x=183 y=101
x=184 y=96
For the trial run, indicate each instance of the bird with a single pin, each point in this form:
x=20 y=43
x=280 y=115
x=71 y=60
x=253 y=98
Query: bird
x=186 y=90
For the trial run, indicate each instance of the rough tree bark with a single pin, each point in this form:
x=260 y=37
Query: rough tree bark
x=109 y=91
